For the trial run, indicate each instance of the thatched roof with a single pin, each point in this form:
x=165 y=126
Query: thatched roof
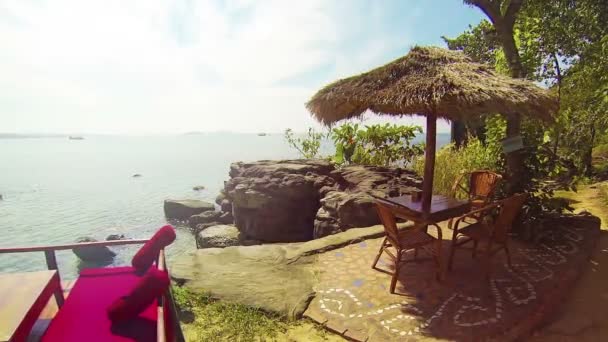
x=431 y=80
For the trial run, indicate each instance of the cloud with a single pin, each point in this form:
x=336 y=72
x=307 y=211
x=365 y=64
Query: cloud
x=151 y=66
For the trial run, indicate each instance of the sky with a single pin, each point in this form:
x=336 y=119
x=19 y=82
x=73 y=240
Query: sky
x=160 y=66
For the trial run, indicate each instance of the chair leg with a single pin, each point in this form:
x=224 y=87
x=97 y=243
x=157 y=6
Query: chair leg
x=439 y=260
x=488 y=261
x=475 y=243
x=396 y=273
x=415 y=253
x=508 y=254
x=379 y=254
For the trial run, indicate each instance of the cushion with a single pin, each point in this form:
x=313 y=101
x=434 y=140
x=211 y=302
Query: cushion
x=148 y=253
x=150 y=287
x=84 y=315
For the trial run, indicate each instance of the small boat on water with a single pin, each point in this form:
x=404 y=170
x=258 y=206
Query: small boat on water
x=75 y=137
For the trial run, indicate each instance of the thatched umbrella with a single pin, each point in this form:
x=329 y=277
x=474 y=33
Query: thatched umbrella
x=434 y=82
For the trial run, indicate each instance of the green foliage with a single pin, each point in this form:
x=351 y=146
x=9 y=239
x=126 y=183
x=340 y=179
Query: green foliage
x=382 y=145
x=478 y=42
x=309 y=145
x=212 y=320
x=450 y=162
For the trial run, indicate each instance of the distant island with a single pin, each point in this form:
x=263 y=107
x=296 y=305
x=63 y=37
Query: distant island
x=29 y=136
x=75 y=137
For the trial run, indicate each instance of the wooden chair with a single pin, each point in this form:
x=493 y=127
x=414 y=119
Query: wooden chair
x=405 y=240
x=481 y=187
x=494 y=233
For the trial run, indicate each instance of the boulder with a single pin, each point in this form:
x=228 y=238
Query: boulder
x=183 y=209
x=113 y=237
x=220 y=197
x=225 y=205
x=226 y=218
x=341 y=211
x=199 y=227
x=97 y=254
x=137 y=175
x=205 y=217
x=277 y=201
x=218 y=236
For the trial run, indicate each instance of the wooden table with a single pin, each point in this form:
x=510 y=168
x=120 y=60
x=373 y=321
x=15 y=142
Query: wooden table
x=442 y=208
x=23 y=296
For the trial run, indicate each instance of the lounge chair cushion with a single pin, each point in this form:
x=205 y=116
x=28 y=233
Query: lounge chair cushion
x=84 y=315
x=150 y=287
x=144 y=258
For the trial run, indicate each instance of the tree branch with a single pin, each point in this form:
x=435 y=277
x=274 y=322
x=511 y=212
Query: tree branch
x=490 y=8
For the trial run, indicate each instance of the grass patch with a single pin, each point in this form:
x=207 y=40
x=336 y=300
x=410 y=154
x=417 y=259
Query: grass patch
x=207 y=319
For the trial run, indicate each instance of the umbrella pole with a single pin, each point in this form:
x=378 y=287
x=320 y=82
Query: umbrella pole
x=429 y=161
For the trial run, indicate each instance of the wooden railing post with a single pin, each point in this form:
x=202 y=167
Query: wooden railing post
x=51 y=261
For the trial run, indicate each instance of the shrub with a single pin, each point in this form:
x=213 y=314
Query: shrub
x=450 y=162
x=309 y=145
x=382 y=145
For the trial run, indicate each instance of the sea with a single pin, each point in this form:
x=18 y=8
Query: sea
x=55 y=190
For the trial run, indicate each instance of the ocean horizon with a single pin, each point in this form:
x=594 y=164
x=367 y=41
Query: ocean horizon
x=56 y=190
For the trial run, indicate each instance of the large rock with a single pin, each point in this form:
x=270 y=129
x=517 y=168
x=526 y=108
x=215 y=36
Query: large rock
x=277 y=201
x=95 y=254
x=341 y=211
x=276 y=278
x=183 y=209
x=218 y=236
x=297 y=200
x=205 y=217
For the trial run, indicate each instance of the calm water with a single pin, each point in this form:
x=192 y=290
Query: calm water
x=56 y=190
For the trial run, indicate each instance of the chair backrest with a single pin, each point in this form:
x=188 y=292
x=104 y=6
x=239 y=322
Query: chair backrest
x=387 y=217
x=509 y=208
x=482 y=184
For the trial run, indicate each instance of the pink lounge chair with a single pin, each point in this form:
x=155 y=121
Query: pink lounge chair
x=84 y=314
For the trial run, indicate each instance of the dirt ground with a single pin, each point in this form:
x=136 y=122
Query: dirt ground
x=583 y=316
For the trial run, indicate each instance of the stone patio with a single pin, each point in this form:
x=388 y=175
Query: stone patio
x=353 y=300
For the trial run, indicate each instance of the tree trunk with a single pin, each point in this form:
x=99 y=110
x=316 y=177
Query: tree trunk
x=458 y=133
x=503 y=22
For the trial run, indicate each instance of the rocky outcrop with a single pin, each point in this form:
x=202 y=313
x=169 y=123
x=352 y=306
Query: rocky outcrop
x=352 y=205
x=183 y=209
x=298 y=200
x=96 y=254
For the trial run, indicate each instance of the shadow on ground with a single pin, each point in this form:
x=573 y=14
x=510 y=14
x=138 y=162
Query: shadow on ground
x=353 y=299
